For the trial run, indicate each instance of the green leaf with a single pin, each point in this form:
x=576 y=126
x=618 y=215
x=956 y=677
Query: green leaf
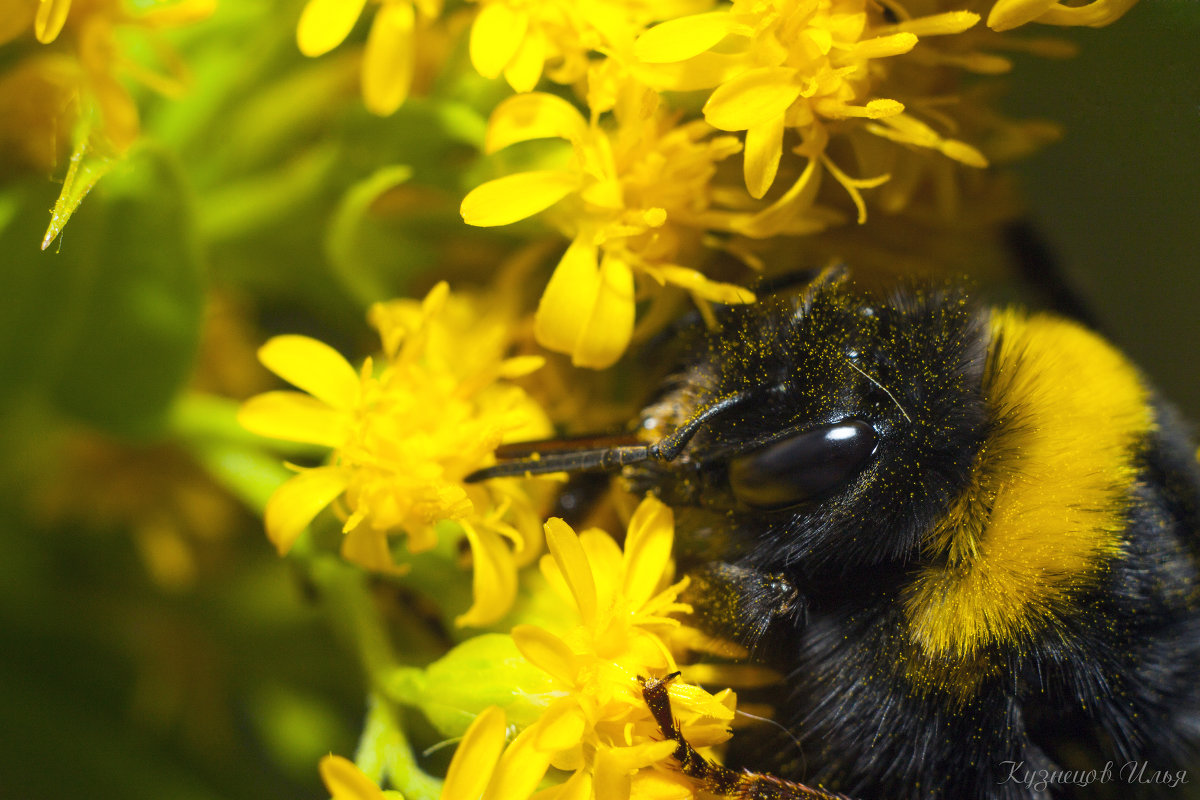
x=126 y=321
x=483 y=671
x=371 y=260
x=244 y=207
x=88 y=165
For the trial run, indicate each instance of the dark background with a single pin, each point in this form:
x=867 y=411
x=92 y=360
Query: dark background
x=1117 y=196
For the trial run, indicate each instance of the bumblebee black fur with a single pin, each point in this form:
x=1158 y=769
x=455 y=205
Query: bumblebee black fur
x=1006 y=584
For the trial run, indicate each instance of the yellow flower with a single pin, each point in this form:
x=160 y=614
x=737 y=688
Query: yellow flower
x=595 y=724
x=637 y=199
x=811 y=66
x=517 y=39
x=405 y=437
x=595 y=729
x=520 y=39
x=1007 y=14
x=389 y=60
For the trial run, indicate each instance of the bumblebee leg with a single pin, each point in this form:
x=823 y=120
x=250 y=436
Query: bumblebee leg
x=711 y=776
x=745 y=605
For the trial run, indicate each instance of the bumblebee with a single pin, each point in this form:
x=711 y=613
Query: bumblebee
x=968 y=537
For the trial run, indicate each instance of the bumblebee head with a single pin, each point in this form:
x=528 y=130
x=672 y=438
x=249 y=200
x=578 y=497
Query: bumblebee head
x=831 y=427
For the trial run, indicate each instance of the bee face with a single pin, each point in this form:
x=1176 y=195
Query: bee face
x=971 y=503
x=863 y=415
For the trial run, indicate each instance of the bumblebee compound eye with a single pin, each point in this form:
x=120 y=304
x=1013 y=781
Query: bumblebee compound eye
x=802 y=467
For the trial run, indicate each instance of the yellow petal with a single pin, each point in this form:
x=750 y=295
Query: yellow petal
x=554 y=577
x=775 y=217
x=525 y=69
x=646 y=648
x=610 y=776
x=422 y=537
x=608 y=327
x=578 y=787
x=495 y=37
x=324 y=24
x=1008 y=14
x=417 y=340
x=561 y=726
x=514 y=197
x=295 y=417
x=571 y=290
x=680 y=39
x=697 y=284
x=764 y=147
x=875 y=109
x=963 y=153
x=752 y=98
x=520 y=769
x=476 y=756
x=853 y=185
x=822 y=38
x=604 y=556
x=884 y=46
x=520 y=366
x=647 y=549
x=51 y=15
x=938 y=24
x=624 y=760
x=1095 y=14
x=536 y=115
x=910 y=130
x=847 y=26
x=686 y=696
x=546 y=651
x=980 y=63
x=296 y=502
x=660 y=785
x=345 y=781
x=702 y=72
x=494 y=579
x=387 y=67
x=368 y=548
x=572 y=560
x=314 y=367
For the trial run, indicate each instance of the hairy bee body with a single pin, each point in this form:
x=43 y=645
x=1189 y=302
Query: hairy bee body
x=967 y=536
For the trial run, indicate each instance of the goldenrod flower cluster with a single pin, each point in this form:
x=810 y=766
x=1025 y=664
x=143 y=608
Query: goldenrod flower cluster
x=815 y=87
x=593 y=727
x=638 y=199
x=405 y=437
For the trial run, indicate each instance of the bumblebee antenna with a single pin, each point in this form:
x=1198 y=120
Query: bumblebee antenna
x=607 y=458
